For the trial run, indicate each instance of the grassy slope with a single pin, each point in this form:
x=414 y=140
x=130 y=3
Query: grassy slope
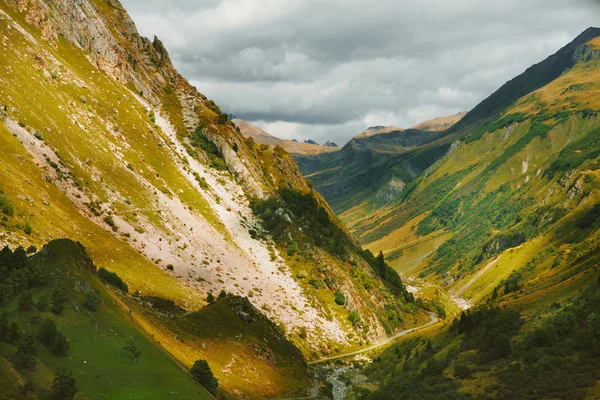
x=37 y=101
x=97 y=339
x=521 y=174
x=555 y=267
x=240 y=353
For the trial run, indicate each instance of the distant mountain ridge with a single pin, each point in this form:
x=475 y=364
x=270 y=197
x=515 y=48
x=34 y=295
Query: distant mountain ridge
x=342 y=177
x=291 y=146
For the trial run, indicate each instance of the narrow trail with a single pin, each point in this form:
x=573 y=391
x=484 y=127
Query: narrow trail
x=433 y=320
x=482 y=271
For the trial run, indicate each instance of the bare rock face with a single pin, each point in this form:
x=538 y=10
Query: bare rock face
x=111 y=39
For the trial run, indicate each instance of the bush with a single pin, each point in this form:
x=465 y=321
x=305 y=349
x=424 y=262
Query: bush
x=112 y=279
x=170 y=267
x=340 y=299
x=28 y=229
x=132 y=348
x=222 y=119
x=5 y=205
x=462 y=371
x=110 y=222
x=42 y=303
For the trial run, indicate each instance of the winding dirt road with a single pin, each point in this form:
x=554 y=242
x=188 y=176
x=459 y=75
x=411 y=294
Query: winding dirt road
x=433 y=320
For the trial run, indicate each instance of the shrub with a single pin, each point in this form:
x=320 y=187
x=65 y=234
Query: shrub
x=25 y=301
x=170 y=267
x=42 y=303
x=340 y=299
x=462 y=371
x=110 y=222
x=210 y=298
x=38 y=135
x=27 y=228
x=132 y=348
x=222 y=119
x=5 y=205
x=112 y=279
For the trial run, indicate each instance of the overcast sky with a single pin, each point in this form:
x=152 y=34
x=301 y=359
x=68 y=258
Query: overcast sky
x=328 y=69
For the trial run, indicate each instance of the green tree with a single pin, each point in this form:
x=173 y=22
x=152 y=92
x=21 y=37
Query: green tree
x=64 y=386
x=132 y=348
x=210 y=298
x=222 y=295
x=47 y=332
x=42 y=303
x=61 y=345
x=91 y=300
x=27 y=351
x=202 y=373
x=58 y=298
x=25 y=301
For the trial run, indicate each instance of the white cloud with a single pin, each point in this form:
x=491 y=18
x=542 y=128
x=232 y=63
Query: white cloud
x=327 y=69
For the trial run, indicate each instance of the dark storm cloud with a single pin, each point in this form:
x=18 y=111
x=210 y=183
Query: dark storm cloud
x=327 y=69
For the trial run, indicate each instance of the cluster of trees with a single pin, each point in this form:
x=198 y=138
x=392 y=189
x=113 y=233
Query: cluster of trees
x=316 y=223
x=210 y=298
x=559 y=358
x=16 y=275
x=387 y=274
x=199 y=140
x=112 y=279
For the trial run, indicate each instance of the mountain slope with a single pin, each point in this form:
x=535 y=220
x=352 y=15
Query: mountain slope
x=105 y=143
x=509 y=222
x=516 y=189
x=409 y=164
x=359 y=170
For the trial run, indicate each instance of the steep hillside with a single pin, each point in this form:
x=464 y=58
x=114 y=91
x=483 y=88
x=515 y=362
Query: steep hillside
x=262 y=137
x=407 y=165
x=103 y=142
x=509 y=222
x=513 y=207
x=360 y=169
x=78 y=323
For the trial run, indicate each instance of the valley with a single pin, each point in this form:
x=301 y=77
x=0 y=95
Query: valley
x=153 y=248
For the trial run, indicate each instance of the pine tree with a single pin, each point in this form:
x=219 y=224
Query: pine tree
x=132 y=348
x=202 y=373
x=47 y=333
x=61 y=345
x=64 y=386
x=27 y=351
